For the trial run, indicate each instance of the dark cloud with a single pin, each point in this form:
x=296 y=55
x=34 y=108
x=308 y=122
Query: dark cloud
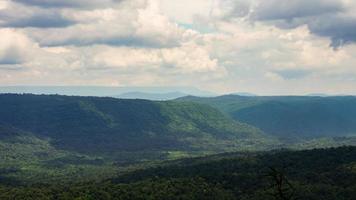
x=68 y=3
x=19 y=16
x=45 y=13
x=341 y=29
x=12 y=56
x=129 y=41
x=327 y=18
x=290 y=9
x=39 y=19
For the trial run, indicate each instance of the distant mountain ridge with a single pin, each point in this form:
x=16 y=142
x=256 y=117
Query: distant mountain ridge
x=151 y=96
x=100 y=91
x=248 y=94
x=290 y=116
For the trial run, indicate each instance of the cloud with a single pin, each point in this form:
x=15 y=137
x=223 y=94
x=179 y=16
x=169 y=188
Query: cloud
x=19 y=16
x=125 y=66
x=264 y=47
x=15 y=47
x=341 y=29
x=293 y=74
x=132 y=24
x=187 y=59
x=262 y=57
x=68 y=3
x=11 y=56
x=279 y=9
x=181 y=13
x=39 y=20
x=288 y=10
x=328 y=18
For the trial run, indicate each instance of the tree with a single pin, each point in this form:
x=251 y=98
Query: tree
x=280 y=187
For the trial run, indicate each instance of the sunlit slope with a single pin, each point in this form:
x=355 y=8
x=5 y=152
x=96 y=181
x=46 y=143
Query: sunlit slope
x=102 y=125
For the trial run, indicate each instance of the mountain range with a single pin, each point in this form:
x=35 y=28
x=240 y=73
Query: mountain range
x=92 y=123
x=289 y=117
x=67 y=147
x=104 y=91
x=151 y=96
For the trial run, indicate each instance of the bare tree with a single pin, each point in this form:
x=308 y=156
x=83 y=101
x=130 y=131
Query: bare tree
x=281 y=188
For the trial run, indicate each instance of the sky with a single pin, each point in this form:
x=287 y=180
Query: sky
x=264 y=47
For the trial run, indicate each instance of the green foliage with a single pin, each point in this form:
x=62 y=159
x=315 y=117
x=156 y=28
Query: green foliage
x=61 y=147
x=94 y=125
x=27 y=158
x=290 y=117
x=206 y=128
x=311 y=174
x=324 y=143
x=327 y=174
x=50 y=137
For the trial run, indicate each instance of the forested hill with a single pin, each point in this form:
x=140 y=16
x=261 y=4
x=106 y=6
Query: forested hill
x=290 y=116
x=101 y=125
x=68 y=147
x=327 y=174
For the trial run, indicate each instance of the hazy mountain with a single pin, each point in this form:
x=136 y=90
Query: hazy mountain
x=318 y=95
x=101 y=91
x=290 y=116
x=247 y=94
x=151 y=96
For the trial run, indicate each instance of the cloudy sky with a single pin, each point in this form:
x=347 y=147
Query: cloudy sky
x=258 y=46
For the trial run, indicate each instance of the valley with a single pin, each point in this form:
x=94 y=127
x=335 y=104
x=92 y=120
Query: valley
x=109 y=148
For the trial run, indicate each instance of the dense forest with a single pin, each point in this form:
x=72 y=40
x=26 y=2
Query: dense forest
x=277 y=175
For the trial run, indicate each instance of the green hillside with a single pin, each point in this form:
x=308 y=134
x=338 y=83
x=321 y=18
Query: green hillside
x=90 y=124
x=26 y=158
x=290 y=116
x=51 y=137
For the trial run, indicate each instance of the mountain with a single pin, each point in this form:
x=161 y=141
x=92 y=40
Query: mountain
x=121 y=128
x=27 y=158
x=310 y=174
x=58 y=138
x=151 y=96
x=70 y=147
x=289 y=116
x=244 y=94
x=318 y=95
x=102 y=91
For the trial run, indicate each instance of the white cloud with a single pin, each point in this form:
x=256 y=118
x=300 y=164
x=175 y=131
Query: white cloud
x=220 y=45
x=187 y=59
x=179 y=11
x=134 y=23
